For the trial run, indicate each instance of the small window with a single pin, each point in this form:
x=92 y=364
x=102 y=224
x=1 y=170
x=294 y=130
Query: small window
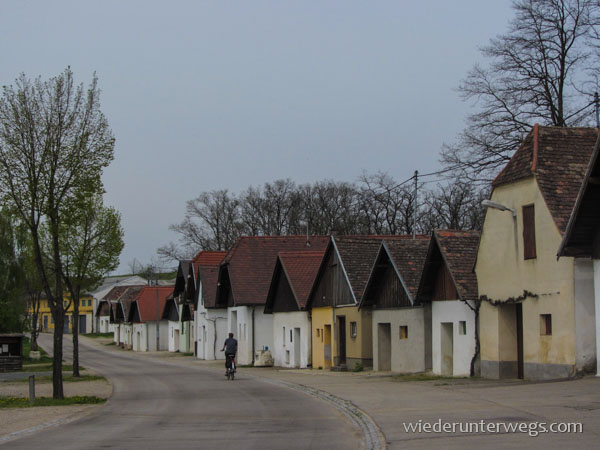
x=353 y=329
x=546 y=324
x=318 y=332
x=283 y=343
x=321 y=334
x=291 y=332
x=462 y=327
x=403 y=332
x=529 y=251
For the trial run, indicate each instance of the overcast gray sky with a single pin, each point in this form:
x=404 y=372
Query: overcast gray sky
x=205 y=95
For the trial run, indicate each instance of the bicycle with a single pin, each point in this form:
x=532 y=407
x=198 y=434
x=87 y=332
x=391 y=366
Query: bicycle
x=230 y=365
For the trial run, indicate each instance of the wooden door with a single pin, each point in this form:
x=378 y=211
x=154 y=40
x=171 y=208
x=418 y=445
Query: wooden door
x=342 y=340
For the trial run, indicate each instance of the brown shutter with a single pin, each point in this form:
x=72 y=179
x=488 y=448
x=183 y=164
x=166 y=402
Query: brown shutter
x=529 y=232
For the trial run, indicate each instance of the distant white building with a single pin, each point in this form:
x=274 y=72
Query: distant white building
x=100 y=314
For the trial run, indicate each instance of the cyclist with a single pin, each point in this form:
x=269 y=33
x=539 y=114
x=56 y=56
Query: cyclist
x=230 y=348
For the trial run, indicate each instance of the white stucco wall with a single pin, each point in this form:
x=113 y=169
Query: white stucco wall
x=163 y=333
x=173 y=327
x=116 y=333
x=103 y=324
x=585 y=315
x=246 y=329
x=453 y=311
x=284 y=351
x=127 y=334
x=211 y=332
x=139 y=337
x=184 y=336
x=407 y=355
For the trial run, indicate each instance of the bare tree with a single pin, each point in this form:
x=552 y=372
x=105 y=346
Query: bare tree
x=386 y=207
x=537 y=73
x=454 y=206
x=54 y=144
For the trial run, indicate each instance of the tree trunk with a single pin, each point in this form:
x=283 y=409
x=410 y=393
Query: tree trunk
x=34 y=332
x=57 y=382
x=477 y=340
x=75 y=300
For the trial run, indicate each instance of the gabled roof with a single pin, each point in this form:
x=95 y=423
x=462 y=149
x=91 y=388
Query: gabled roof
x=206 y=264
x=128 y=296
x=146 y=302
x=358 y=254
x=208 y=258
x=584 y=221
x=209 y=276
x=558 y=158
x=407 y=256
x=251 y=261
x=300 y=269
x=103 y=307
x=458 y=250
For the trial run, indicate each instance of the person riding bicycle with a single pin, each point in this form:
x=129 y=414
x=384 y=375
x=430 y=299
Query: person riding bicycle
x=230 y=348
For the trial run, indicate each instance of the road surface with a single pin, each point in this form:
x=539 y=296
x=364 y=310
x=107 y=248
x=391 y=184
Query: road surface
x=158 y=404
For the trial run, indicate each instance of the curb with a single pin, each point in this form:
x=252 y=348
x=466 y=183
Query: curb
x=373 y=437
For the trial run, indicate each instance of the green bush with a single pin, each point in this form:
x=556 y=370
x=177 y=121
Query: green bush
x=358 y=367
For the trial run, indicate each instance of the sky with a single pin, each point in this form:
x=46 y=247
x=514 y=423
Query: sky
x=208 y=95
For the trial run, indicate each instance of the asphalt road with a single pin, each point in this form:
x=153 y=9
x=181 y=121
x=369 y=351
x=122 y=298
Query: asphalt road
x=160 y=405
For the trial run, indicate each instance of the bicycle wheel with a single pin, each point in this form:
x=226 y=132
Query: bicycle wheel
x=232 y=375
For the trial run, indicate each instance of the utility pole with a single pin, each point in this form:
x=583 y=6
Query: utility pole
x=416 y=205
x=597 y=105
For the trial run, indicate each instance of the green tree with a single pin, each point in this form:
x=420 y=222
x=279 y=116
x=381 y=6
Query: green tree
x=54 y=144
x=12 y=307
x=92 y=240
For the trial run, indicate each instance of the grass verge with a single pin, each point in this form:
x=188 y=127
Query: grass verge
x=69 y=378
x=44 y=358
x=98 y=335
x=19 y=402
x=423 y=377
x=46 y=367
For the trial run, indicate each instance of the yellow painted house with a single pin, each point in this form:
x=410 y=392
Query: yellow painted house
x=341 y=333
x=534 y=319
x=85 y=315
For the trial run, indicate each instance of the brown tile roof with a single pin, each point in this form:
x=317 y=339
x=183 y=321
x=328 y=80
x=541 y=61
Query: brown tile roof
x=209 y=275
x=301 y=270
x=459 y=250
x=146 y=301
x=252 y=260
x=115 y=293
x=409 y=257
x=358 y=254
x=584 y=222
x=558 y=157
x=206 y=269
x=128 y=296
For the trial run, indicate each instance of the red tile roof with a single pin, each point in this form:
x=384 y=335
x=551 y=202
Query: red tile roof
x=301 y=270
x=146 y=301
x=207 y=258
x=252 y=260
x=459 y=250
x=558 y=157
